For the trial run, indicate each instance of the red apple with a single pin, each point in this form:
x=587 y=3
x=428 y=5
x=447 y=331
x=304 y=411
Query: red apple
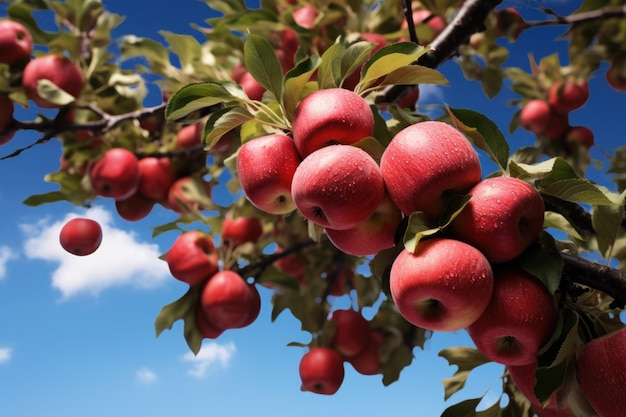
x=557 y=126
x=6 y=120
x=338 y=187
x=331 y=116
x=367 y=361
x=535 y=116
x=189 y=136
x=518 y=320
x=437 y=289
x=503 y=217
x=81 y=236
x=192 y=258
x=292 y=264
x=135 y=207
x=305 y=16
x=265 y=167
x=181 y=192
x=616 y=75
x=409 y=99
x=569 y=95
x=156 y=176
x=321 y=371
x=352 y=332
x=115 y=174
x=426 y=161
x=204 y=325
x=229 y=301
x=371 y=236
x=580 y=135
x=60 y=70
x=240 y=230
x=16 y=44
x=601 y=373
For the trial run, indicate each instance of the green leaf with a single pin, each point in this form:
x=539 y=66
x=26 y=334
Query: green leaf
x=52 y=93
x=544 y=261
x=386 y=60
x=222 y=122
x=194 y=97
x=606 y=221
x=484 y=133
x=176 y=310
x=273 y=276
x=263 y=64
x=156 y=231
x=400 y=357
x=466 y=359
x=295 y=82
x=413 y=75
x=354 y=56
x=580 y=190
x=558 y=221
x=39 y=199
x=549 y=380
x=329 y=71
x=186 y=47
x=465 y=408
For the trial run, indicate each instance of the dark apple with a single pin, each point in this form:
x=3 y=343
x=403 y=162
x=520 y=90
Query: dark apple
x=135 y=207
x=204 y=325
x=16 y=43
x=81 y=236
x=189 y=136
x=367 y=361
x=518 y=320
x=6 y=120
x=192 y=258
x=351 y=332
x=115 y=174
x=601 y=373
x=580 y=135
x=338 y=187
x=437 y=289
x=321 y=370
x=331 y=116
x=424 y=163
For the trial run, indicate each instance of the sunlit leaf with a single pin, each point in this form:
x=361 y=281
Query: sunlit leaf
x=466 y=359
x=544 y=261
x=484 y=133
x=263 y=64
x=222 y=122
x=194 y=97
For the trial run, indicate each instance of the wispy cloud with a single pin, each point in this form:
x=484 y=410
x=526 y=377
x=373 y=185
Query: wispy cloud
x=431 y=99
x=211 y=355
x=5 y=354
x=6 y=254
x=146 y=376
x=122 y=258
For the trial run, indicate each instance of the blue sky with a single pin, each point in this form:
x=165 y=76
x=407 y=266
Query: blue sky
x=77 y=336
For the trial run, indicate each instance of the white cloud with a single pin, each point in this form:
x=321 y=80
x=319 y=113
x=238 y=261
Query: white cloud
x=5 y=354
x=6 y=254
x=122 y=259
x=146 y=376
x=211 y=355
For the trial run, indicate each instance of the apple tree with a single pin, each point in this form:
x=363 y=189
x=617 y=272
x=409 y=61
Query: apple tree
x=340 y=185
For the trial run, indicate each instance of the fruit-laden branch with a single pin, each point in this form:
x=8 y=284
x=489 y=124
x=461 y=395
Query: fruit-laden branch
x=105 y=123
x=582 y=17
x=469 y=20
x=591 y=274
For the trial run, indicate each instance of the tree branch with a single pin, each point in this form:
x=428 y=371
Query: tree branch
x=591 y=274
x=469 y=20
x=583 y=17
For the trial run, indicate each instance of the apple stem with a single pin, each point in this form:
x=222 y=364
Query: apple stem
x=408 y=15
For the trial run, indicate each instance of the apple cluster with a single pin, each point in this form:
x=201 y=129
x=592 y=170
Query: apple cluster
x=37 y=74
x=226 y=299
x=549 y=117
x=322 y=369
